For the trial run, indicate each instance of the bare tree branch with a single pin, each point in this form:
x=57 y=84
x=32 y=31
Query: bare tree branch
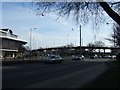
x=110 y=12
x=79 y=10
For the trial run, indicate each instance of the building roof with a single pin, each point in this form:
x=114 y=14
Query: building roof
x=4 y=29
x=11 y=36
x=7 y=30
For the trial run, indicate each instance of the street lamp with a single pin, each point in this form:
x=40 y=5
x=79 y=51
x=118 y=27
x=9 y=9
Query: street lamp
x=31 y=37
x=67 y=38
x=80 y=41
x=31 y=40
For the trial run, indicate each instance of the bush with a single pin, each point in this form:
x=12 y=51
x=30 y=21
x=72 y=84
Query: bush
x=19 y=56
x=118 y=57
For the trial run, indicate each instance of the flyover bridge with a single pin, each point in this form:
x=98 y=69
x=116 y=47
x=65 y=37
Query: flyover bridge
x=113 y=49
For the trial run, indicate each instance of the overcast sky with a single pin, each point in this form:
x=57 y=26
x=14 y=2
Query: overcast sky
x=49 y=32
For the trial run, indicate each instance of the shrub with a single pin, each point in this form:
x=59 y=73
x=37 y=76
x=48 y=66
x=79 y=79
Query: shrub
x=118 y=58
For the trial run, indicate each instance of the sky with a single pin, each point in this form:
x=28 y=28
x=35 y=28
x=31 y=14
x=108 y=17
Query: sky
x=47 y=31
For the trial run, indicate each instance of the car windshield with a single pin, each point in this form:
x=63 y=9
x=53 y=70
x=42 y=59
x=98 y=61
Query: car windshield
x=57 y=57
x=51 y=57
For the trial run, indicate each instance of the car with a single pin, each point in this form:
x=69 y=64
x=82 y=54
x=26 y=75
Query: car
x=78 y=57
x=93 y=56
x=113 y=57
x=53 y=59
x=108 y=57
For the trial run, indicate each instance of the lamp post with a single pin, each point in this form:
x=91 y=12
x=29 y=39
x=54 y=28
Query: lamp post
x=31 y=38
x=80 y=42
x=67 y=38
x=31 y=41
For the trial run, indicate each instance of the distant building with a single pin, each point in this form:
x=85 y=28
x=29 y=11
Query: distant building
x=9 y=43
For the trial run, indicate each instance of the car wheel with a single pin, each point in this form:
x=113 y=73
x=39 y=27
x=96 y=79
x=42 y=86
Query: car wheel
x=54 y=61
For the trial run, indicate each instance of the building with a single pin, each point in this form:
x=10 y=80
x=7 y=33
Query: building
x=9 y=43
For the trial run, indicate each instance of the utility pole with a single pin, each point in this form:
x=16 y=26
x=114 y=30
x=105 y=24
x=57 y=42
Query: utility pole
x=31 y=42
x=80 y=42
x=30 y=39
x=67 y=38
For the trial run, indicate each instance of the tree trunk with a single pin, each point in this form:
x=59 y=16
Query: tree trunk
x=110 y=12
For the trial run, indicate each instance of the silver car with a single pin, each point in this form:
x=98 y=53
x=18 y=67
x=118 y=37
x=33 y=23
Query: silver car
x=53 y=59
x=78 y=57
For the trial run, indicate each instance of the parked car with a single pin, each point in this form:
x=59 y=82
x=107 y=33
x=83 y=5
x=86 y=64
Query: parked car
x=113 y=57
x=78 y=57
x=93 y=56
x=107 y=56
x=53 y=59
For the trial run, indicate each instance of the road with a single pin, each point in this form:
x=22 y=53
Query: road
x=68 y=74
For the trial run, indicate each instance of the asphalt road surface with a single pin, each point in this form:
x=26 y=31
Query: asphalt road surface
x=68 y=74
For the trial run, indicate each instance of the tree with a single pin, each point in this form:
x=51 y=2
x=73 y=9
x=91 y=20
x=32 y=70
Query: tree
x=90 y=50
x=22 y=49
x=91 y=45
x=81 y=11
x=99 y=44
x=96 y=44
x=110 y=12
x=27 y=48
x=69 y=45
x=115 y=37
